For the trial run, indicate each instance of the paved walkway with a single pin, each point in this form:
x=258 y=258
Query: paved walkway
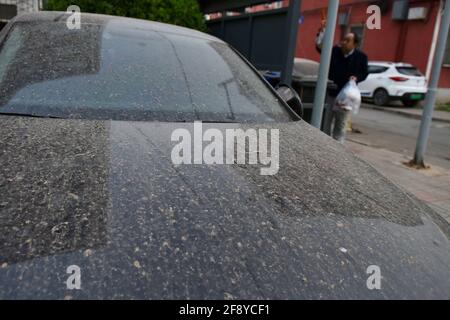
x=430 y=185
x=441 y=116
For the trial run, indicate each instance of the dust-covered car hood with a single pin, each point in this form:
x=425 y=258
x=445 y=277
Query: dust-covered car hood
x=106 y=197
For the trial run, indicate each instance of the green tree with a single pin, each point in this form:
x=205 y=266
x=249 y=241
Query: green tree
x=184 y=13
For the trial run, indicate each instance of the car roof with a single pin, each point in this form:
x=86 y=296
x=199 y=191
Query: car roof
x=390 y=64
x=101 y=19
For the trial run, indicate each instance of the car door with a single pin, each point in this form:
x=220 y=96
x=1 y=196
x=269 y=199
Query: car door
x=374 y=80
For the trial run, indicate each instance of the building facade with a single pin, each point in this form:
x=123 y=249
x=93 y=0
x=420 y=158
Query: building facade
x=408 y=33
x=405 y=36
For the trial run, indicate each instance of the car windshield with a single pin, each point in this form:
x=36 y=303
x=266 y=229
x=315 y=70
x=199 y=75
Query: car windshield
x=139 y=73
x=409 y=71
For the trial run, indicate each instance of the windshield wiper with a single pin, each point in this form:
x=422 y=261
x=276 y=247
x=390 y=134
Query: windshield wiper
x=204 y=121
x=28 y=115
x=218 y=121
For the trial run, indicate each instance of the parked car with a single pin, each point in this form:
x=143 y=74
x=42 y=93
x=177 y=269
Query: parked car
x=88 y=186
x=389 y=81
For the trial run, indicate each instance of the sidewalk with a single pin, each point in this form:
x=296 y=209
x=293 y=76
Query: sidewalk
x=430 y=185
x=441 y=116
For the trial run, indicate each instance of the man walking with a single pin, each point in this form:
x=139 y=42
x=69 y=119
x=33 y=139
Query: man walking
x=347 y=63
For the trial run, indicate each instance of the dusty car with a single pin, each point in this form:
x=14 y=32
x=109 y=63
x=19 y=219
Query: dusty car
x=93 y=206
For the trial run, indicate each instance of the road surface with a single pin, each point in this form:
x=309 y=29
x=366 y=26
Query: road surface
x=399 y=134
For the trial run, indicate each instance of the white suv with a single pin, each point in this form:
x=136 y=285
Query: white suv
x=388 y=81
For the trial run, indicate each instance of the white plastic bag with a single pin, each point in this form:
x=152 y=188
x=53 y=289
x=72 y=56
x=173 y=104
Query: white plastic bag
x=349 y=98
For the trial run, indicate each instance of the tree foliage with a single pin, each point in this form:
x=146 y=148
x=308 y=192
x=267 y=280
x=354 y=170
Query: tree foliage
x=180 y=12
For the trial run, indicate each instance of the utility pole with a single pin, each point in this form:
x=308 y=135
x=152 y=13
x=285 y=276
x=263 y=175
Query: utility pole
x=433 y=42
x=430 y=100
x=325 y=58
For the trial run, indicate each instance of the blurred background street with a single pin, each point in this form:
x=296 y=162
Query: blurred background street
x=386 y=139
x=398 y=133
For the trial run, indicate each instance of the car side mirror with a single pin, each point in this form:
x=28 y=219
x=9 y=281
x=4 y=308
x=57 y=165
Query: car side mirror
x=291 y=97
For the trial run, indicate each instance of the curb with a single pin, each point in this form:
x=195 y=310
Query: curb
x=403 y=113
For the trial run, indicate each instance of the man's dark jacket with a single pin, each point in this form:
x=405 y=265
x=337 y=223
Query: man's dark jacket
x=342 y=68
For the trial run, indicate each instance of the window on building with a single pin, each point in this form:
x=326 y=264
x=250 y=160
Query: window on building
x=359 y=30
x=447 y=53
x=7 y=11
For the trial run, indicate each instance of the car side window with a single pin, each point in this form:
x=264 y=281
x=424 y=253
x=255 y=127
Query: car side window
x=377 y=69
x=409 y=71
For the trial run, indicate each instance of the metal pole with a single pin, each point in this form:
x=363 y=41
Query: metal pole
x=325 y=58
x=430 y=100
x=437 y=24
x=289 y=53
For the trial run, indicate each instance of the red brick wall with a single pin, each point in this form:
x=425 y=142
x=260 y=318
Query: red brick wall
x=408 y=41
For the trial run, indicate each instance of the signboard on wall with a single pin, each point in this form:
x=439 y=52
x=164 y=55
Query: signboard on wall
x=419 y=13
